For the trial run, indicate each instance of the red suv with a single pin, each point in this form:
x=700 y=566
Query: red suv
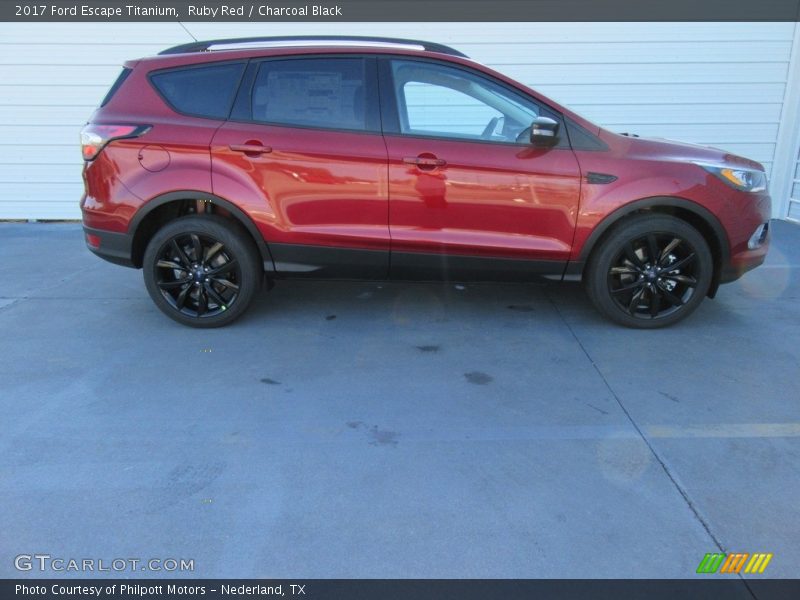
x=217 y=162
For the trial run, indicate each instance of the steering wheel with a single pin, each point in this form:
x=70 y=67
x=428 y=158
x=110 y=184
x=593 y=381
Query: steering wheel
x=524 y=136
x=489 y=129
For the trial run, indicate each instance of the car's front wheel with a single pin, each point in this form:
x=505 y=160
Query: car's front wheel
x=202 y=270
x=651 y=271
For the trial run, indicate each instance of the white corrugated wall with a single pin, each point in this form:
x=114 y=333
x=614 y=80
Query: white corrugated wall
x=722 y=84
x=794 y=197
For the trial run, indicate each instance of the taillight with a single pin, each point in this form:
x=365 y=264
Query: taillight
x=95 y=137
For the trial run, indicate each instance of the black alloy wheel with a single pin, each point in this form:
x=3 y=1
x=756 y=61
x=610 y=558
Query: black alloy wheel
x=197 y=275
x=201 y=270
x=651 y=271
x=653 y=276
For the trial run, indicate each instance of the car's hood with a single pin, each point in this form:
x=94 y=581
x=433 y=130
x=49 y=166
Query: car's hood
x=662 y=149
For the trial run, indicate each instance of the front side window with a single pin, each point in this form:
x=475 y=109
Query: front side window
x=441 y=101
x=206 y=91
x=328 y=93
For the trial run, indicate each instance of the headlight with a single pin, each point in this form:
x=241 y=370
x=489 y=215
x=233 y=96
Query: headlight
x=745 y=180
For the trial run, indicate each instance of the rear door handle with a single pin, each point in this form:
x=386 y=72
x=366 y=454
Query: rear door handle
x=425 y=162
x=251 y=148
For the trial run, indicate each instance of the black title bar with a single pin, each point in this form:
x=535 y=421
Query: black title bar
x=400 y=10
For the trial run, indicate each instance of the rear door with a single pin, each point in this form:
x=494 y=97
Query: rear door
x=469 y=196
x=304 y=141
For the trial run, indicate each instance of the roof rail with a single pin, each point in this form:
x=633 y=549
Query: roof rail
x=310 y=40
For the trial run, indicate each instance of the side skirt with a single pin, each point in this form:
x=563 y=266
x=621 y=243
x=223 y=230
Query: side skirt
x=327 y=262
x=456 y=267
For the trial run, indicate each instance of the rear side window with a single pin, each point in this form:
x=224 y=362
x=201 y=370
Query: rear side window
x=117 y=84
x=330 y=93
x=206 y=91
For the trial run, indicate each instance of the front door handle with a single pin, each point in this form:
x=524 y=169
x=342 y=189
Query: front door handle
x=251 y=148
x=425 y=162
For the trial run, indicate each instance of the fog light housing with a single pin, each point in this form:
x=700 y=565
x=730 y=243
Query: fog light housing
x=759 y=236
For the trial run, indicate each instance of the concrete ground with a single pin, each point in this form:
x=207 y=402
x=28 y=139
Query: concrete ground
x=394 y=430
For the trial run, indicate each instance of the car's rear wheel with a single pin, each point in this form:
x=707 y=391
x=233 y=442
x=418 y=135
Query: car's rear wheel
x=651 y=271
x=202 y=270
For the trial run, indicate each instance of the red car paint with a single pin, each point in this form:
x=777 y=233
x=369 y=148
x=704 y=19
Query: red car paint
x=315 y=187
x=332 y=189
x=504 y=200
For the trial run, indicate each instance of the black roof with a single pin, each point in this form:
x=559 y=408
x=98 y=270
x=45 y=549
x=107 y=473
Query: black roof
x=204 y=45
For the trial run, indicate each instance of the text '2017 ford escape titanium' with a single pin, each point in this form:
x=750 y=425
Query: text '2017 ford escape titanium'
x=215 y=163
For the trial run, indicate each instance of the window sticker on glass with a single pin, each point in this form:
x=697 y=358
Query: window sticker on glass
x=311 y=94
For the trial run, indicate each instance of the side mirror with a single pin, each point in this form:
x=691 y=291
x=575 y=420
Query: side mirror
x=544 y=131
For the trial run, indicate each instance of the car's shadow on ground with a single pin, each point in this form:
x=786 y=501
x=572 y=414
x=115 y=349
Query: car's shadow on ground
x=560 y=303
x=426 y=301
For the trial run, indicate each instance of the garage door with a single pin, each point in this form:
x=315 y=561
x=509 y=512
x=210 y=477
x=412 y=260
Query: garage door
x=721 y=84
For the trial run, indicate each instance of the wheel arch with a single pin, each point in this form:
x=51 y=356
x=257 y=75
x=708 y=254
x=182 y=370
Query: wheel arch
x=696 y=215
x=166 y=207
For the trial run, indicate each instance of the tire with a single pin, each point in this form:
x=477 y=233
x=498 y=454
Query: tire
x=624 y=285
x=202 y=270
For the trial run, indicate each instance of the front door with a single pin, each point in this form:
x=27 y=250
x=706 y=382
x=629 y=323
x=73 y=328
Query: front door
x=304 y=137
x=469 y=196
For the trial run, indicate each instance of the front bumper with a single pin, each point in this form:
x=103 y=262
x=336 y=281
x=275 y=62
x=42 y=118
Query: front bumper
x=746 y=259
x=108 y=245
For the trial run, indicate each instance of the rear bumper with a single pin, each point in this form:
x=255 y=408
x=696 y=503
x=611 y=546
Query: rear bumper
x=111 y=246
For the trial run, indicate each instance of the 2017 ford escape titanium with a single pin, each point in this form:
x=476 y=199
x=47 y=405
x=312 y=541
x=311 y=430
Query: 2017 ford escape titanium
x=215 y=163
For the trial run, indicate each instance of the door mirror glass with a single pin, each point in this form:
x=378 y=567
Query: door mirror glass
x=544 y=131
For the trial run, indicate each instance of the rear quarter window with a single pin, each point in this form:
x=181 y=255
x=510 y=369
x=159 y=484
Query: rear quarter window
x=206 y=91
